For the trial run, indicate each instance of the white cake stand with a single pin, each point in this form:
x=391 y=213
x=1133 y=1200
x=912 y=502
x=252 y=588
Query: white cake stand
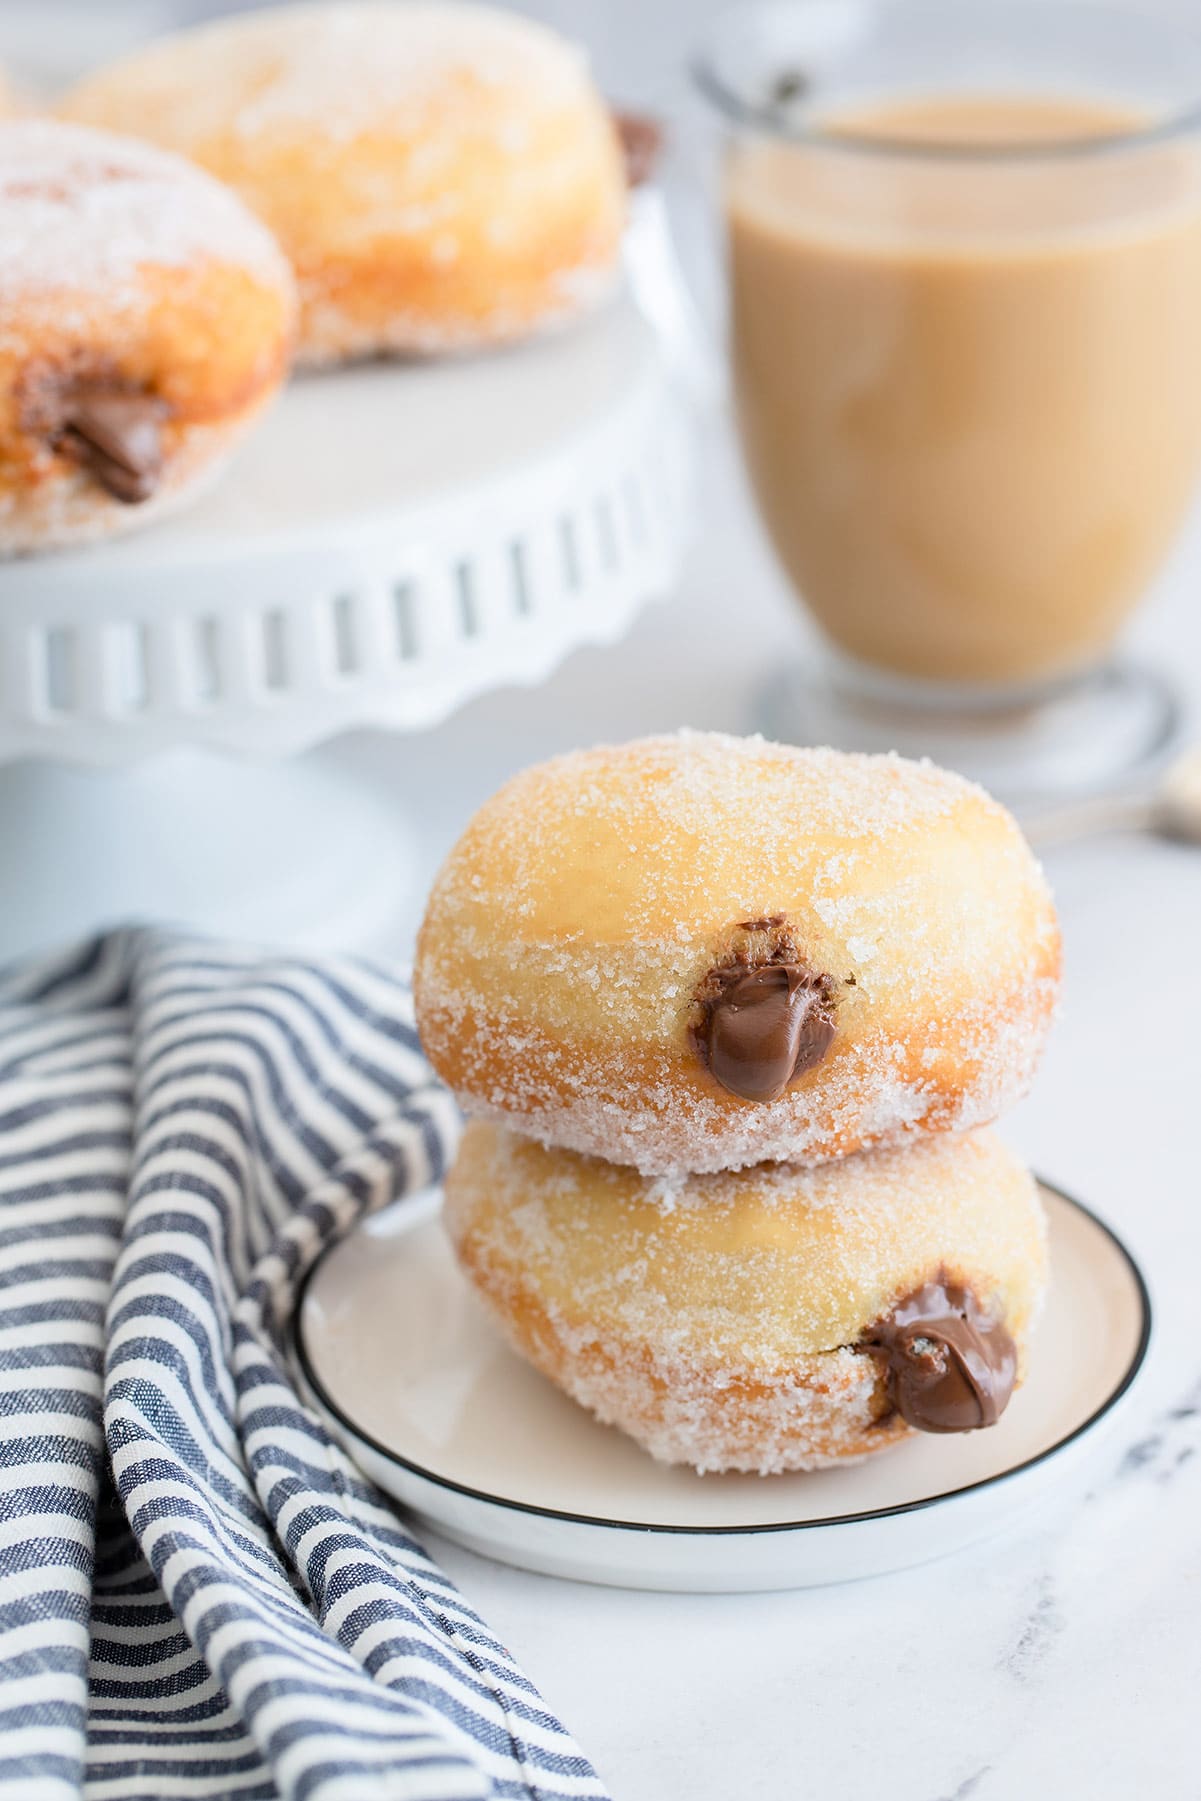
x=393 y=541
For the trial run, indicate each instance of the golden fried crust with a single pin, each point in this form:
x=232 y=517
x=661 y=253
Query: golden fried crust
x=572 y=926
x=716 y=1322
x=139 y=276
x=440 y=176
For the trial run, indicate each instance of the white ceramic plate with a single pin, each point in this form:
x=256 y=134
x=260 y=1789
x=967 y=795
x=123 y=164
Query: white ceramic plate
x=418 y=1385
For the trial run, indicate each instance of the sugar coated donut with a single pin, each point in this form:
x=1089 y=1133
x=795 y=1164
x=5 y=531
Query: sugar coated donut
x=767 y=1319
x=442 y=176
x=145 y=319
x=699 y=952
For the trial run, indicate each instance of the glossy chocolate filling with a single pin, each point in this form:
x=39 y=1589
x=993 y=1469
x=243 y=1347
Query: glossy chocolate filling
x=87 y=411
x=949 y=1365
x=761 y=1016
x=118 y=439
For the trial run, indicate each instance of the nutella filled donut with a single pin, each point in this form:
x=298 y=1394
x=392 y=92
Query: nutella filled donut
x=700 y=952
x=766 y=1319
x=441 y=176
x=145 y=320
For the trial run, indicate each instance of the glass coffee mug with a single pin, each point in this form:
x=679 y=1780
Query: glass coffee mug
x=964 y=248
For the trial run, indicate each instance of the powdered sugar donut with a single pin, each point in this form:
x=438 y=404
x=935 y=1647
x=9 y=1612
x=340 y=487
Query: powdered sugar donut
x=145 y=319
x=770 y=1319
x=442 y=176
x=700 y=952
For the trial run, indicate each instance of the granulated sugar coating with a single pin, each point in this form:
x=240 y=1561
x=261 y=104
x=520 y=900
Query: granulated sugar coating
x=341 y=69
x=84 y=215
x=572 y=926
x=441 y=176
x=721 y=1331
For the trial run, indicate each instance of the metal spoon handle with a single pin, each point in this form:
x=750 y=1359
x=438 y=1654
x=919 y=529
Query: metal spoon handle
x=1089 y=818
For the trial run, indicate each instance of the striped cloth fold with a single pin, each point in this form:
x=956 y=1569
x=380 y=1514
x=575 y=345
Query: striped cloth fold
x=200 y=1596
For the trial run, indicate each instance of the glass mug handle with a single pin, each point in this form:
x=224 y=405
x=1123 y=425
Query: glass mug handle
x=687 y=326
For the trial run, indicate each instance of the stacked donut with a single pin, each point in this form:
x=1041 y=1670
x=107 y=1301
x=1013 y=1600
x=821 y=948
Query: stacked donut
x=729 y=1018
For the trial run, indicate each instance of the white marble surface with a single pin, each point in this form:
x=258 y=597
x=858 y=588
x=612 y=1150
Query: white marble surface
x=1065 y=1661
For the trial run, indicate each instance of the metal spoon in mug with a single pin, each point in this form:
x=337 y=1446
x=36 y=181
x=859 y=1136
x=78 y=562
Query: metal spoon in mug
x=1171 y=809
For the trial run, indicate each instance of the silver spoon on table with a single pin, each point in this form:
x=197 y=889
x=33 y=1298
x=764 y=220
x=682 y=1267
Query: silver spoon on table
x=1171 y=809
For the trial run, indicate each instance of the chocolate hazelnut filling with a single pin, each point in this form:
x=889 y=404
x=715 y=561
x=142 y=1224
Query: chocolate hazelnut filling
x=117 y=438
x=641 y=140
x=761 y=1017
x=86 y=410
x=949 y=1365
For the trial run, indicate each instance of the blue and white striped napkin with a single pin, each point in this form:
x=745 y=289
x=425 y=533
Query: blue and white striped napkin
x=200 y=1596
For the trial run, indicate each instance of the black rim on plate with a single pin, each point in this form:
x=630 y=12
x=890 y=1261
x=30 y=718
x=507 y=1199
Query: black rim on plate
x=337 y=1412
